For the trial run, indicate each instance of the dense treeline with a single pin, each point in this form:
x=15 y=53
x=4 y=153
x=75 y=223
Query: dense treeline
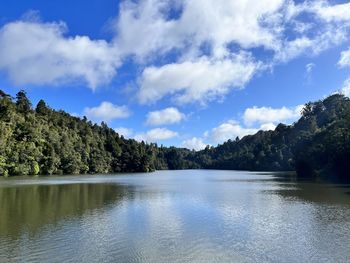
x=45 y=141
x=317 y=145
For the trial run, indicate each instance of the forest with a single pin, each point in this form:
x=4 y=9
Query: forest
x=317 y=145
x=43 y=141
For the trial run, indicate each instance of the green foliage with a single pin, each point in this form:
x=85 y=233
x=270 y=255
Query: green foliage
x=45 y=141
x=318 y=145
x=23 y=104
x=35 y=168
x=41 y=108
x=325 y=152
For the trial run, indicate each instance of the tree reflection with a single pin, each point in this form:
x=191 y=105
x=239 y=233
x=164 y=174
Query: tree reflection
x=30 y=208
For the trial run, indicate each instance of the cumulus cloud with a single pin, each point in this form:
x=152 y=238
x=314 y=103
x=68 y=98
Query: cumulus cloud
x=194 y=144
x=267 y=126
x=106 y=111
x=229 y=130
x=39 y=53
x=200 y=80
x=253 y=120
x=157 y=134
x=203 y=33
x=344 y=60
x=190 y=51
x=167 y=116
x=126 y=132
x=346 y=88
x=265 y=115
x=339 y=12
x=232 y=129
x=145 y=28
x=142 y=28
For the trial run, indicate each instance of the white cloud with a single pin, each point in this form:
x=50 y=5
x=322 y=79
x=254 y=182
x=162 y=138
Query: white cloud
x=268 y=126
x=200 y=80
x=145 y=28
x=346 y=88
x=203 y=32
x=344 y=60
x=157 y=134
x=74 y=114
x=126 y=132
x=321 y=9
x=265 y=115
x=210 y=42
x=142 y=28
x=339 y=12
x=308 y=73
x=194 y=144
x=106 y=111
x=254 y=119
x=329 y=36
x=229 y=130
x=39 y=53
x=167 y=116
x=309 y=67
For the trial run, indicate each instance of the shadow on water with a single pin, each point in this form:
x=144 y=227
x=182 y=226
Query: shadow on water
x=260 y=177
x=315 y=192
x=29 y=208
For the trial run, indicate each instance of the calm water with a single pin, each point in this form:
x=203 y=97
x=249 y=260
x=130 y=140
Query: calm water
x=173 y=216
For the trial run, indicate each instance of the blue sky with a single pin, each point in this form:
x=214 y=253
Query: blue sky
x=184 y=73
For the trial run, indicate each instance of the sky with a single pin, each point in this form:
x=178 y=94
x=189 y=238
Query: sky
x=187 y=73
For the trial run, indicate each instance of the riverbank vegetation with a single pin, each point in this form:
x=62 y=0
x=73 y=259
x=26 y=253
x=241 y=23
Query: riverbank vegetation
x=44 y=141
x=317 y=145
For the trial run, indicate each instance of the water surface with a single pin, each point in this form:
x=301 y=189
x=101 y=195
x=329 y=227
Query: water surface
x=174 y=216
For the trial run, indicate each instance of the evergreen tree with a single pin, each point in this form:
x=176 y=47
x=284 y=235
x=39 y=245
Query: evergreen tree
x=41 y=108
x=22 y=102
x=47 y=142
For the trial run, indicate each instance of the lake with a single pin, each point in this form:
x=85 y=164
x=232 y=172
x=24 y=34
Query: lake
x=174 y=216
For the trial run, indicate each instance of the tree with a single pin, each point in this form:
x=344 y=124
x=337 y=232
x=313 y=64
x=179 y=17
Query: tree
x=46 y=141
x=22 y=102
x=41 y=108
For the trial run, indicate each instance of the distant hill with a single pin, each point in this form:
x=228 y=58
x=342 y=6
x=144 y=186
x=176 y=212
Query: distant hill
x=45 y=141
